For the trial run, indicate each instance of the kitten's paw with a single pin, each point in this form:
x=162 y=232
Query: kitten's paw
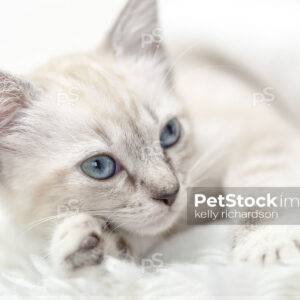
x=88 y=253
x=81 y=241
x=268 y=244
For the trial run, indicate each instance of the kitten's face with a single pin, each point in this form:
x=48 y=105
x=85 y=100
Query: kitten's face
x=87 y=110
x=97 y=138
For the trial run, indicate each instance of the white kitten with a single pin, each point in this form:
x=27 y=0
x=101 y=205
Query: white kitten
x=105 y=133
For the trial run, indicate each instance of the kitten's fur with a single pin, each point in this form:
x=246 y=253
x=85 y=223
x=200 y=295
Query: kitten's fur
x=116 y=100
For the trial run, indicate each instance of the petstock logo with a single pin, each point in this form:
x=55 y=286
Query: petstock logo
x=244 y=205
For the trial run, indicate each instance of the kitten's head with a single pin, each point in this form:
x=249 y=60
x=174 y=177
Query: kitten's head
x=101 y=132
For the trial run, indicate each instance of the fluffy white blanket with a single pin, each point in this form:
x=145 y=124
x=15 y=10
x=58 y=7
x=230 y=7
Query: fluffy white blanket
x=193 y=265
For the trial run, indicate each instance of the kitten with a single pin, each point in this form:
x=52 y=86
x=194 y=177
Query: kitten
x=106 y=134
x=103 y=132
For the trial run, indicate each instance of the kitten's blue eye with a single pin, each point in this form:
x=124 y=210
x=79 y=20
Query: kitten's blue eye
x=100 y=167
x=170 y=134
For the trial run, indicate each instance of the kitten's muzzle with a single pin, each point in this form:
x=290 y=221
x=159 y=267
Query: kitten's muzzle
x=168 y=199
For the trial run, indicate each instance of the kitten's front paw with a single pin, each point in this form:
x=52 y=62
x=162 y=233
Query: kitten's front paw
x=268 y=244
x=81 y=241
x=88 y=253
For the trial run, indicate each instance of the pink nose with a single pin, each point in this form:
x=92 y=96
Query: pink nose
x=169 y=198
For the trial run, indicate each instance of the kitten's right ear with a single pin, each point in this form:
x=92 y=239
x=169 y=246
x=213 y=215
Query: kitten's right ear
x=15 y=94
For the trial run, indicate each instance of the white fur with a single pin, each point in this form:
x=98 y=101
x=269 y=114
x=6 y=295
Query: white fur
x=197 y=266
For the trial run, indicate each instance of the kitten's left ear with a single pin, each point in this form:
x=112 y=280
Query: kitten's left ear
x=136 y=32
x=15 y=94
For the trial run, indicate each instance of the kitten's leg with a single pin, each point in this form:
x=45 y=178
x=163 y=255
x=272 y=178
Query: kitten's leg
x=82 y=240
x=264 y=244
x=267 y=244
x=270 y=157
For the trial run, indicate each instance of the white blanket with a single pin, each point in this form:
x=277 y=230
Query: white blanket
x=194 y=265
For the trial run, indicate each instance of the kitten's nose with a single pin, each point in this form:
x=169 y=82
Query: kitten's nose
x=169 y=198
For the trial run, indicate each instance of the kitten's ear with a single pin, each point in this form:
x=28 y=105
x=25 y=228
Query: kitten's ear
x=15 y=94
x=136 y=32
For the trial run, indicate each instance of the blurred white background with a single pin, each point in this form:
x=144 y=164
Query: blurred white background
x=261 y=36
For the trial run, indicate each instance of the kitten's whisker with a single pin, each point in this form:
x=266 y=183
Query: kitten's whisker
x=119 y=225
x=208 y=160
x=39 y=222
x=103 y=215
x=97 y=211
